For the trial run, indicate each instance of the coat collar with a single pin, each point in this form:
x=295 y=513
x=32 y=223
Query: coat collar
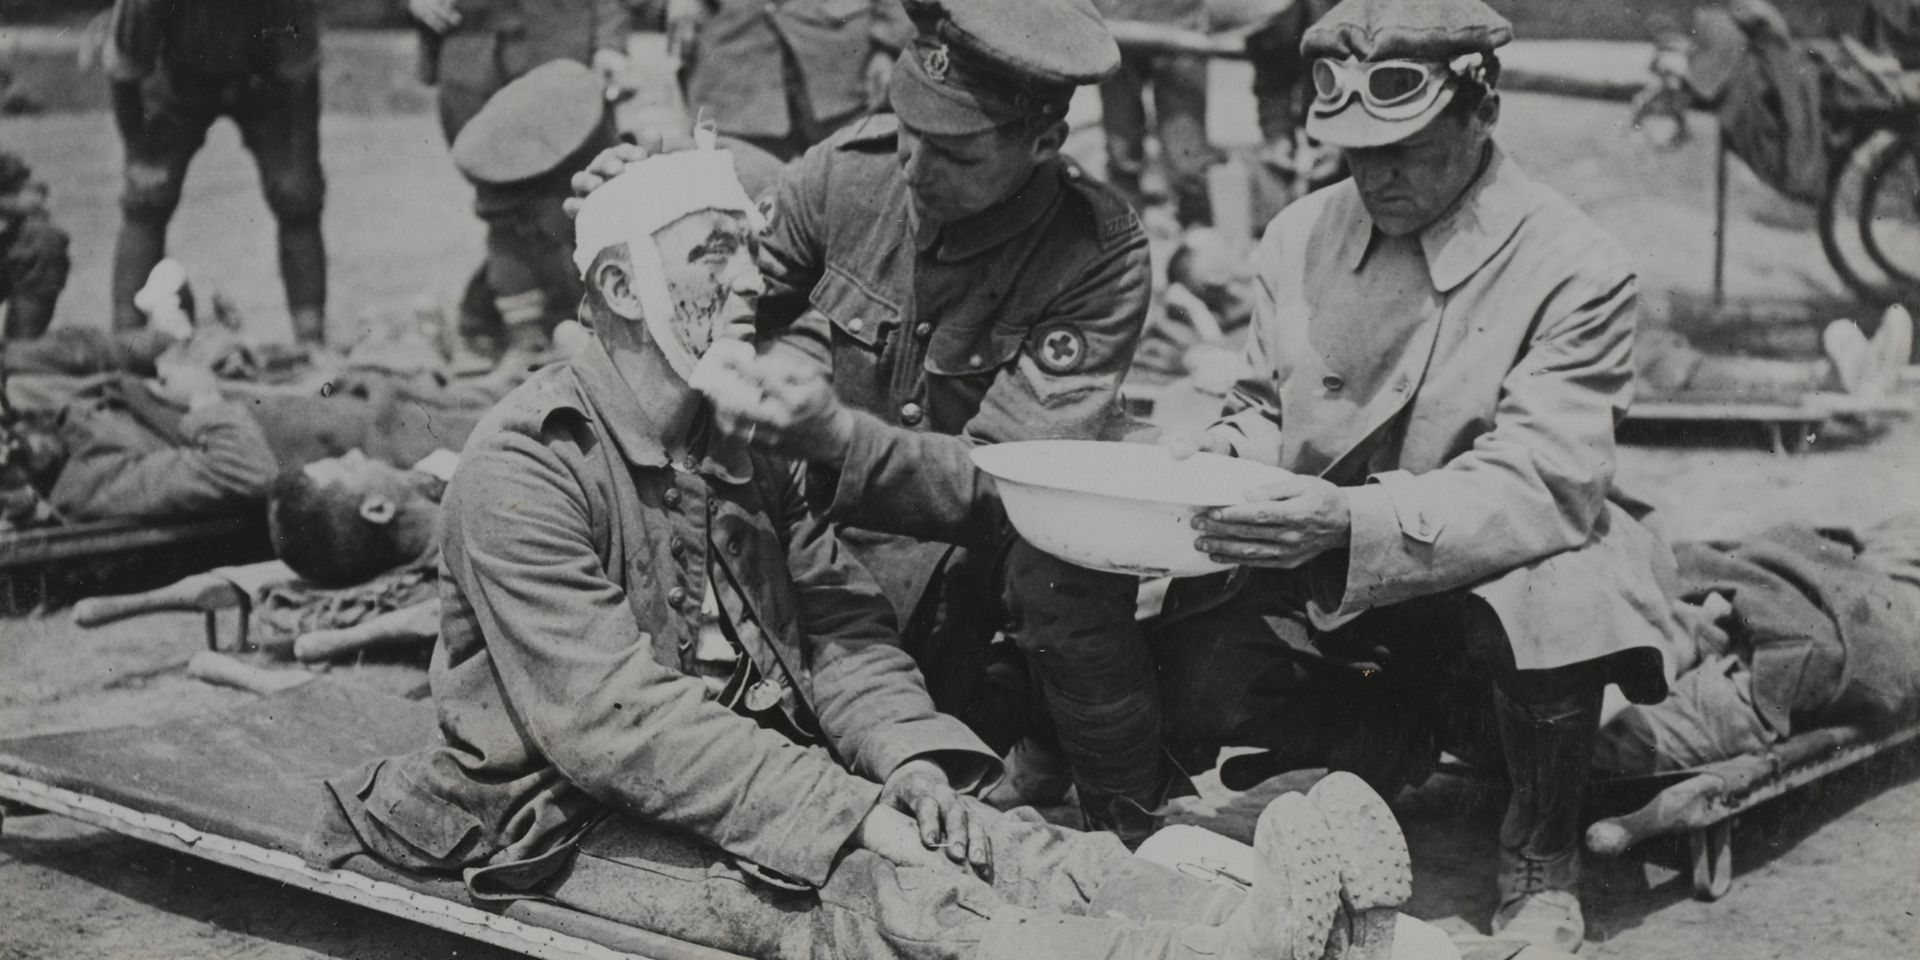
x=630 y=414
x=997 y=224
x=1465 y=237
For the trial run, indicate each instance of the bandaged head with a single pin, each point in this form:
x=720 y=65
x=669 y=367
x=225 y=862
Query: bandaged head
x=635 y=206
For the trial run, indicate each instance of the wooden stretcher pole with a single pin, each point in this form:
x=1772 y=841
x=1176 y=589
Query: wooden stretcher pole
x=1720 y=217
x=225 y=671
x=417 y=624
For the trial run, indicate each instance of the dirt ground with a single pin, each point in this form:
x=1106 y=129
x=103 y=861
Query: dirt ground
x=1829 y=872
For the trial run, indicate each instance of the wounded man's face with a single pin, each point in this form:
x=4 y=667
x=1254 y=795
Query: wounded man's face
x=707 y=259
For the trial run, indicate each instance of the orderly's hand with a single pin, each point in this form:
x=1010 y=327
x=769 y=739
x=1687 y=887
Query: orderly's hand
x=783 y=402
x=436 y=15
x=1285 y=523
x=614 y=159
x=946 y=820
x=879 y=74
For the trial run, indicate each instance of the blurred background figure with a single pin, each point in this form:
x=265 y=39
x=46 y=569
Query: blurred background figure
x=33 y=253
x=832 y=59
x=1179 y=85
x=519 y=152
x=471 y=49
x=174 y=69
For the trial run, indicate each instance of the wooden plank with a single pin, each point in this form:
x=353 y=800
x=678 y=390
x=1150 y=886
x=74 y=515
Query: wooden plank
x=51 y=544
x=390 y=898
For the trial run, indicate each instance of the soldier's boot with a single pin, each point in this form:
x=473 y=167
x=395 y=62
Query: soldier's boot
x=1285 y=915
x=310 y=326
x=1124 y=817
x=1376 y=873
x=1548 y=747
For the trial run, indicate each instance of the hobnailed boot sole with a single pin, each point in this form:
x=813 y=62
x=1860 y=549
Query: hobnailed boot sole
x=1376 y=873
x=1296 y=850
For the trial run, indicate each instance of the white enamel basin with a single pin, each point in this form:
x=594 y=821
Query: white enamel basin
x=1120 y=507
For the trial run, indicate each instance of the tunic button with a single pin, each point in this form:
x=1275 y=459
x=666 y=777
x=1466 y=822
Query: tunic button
x=677 y=546
x=856 y=324
x=923 y=331
x=1333 y=383
x=673 y=496
x=975 y=360
x=677 y=597
x=911 y=414
x=733 y=547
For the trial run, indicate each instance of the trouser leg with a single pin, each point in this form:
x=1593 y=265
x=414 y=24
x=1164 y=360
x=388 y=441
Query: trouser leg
x=529 y=269
x=33 y=273
x=1180 y=114
x=280 y=124
x=951 y=636
x=1077 y=629
x=1052 y=894
x=178 y=115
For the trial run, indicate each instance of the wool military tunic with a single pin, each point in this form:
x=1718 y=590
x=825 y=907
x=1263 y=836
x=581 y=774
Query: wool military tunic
x=1015 y=324
x=576 y=561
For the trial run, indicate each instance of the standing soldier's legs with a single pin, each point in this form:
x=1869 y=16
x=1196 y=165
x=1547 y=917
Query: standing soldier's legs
x=280 y=124
x=1180 y=114
x=1123 y=118
x=529 y=270
x=33 y=271
x=470 y=73
x=178 y=115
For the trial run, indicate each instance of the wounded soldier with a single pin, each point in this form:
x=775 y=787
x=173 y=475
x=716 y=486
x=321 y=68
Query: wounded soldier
x=1796 y=628
x=188 y=443
x=670 y=698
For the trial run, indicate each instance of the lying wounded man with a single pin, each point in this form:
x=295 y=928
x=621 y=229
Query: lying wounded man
x=1795 y=628
x=670 y=698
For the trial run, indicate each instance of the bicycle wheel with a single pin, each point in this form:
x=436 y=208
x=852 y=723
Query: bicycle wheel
x=1871 y=217
x=1841 y=216
x=1890 y=213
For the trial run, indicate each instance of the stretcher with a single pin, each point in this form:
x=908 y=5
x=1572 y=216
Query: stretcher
x=41 y=565
x=1789 y=427
x=238 y=788
x=1705 y=803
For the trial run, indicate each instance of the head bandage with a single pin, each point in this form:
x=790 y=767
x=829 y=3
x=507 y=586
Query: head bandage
x=645 y=197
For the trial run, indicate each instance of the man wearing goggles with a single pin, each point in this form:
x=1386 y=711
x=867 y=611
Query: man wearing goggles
x=1450 y=566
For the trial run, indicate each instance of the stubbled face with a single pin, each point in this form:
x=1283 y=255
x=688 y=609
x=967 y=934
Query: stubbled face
x=1407 y=185
x=707 y=259
x=361 y=475
x=954 y=177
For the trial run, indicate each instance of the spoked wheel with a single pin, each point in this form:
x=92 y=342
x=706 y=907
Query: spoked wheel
x=1870 y=218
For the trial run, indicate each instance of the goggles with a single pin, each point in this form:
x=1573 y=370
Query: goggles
x=1388 y=89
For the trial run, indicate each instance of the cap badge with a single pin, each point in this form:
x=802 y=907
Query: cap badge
x=937 y=63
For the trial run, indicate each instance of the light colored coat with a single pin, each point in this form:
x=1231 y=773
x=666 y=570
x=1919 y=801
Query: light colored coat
x=1482 y=454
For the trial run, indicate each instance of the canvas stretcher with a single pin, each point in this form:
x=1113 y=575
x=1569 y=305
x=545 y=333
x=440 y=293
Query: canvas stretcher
x=1705 y=803
x=238 y=788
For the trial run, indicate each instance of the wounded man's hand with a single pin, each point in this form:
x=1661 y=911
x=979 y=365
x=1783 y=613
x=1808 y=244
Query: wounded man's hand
x=946 y=820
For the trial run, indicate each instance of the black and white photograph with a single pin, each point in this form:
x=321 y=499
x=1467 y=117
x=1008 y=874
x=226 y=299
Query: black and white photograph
x=959 y=479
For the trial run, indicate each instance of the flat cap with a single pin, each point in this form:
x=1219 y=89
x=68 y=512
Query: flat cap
x=1449 y=32
x=534 y=124
x=1406 y=30
x=975 y=65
